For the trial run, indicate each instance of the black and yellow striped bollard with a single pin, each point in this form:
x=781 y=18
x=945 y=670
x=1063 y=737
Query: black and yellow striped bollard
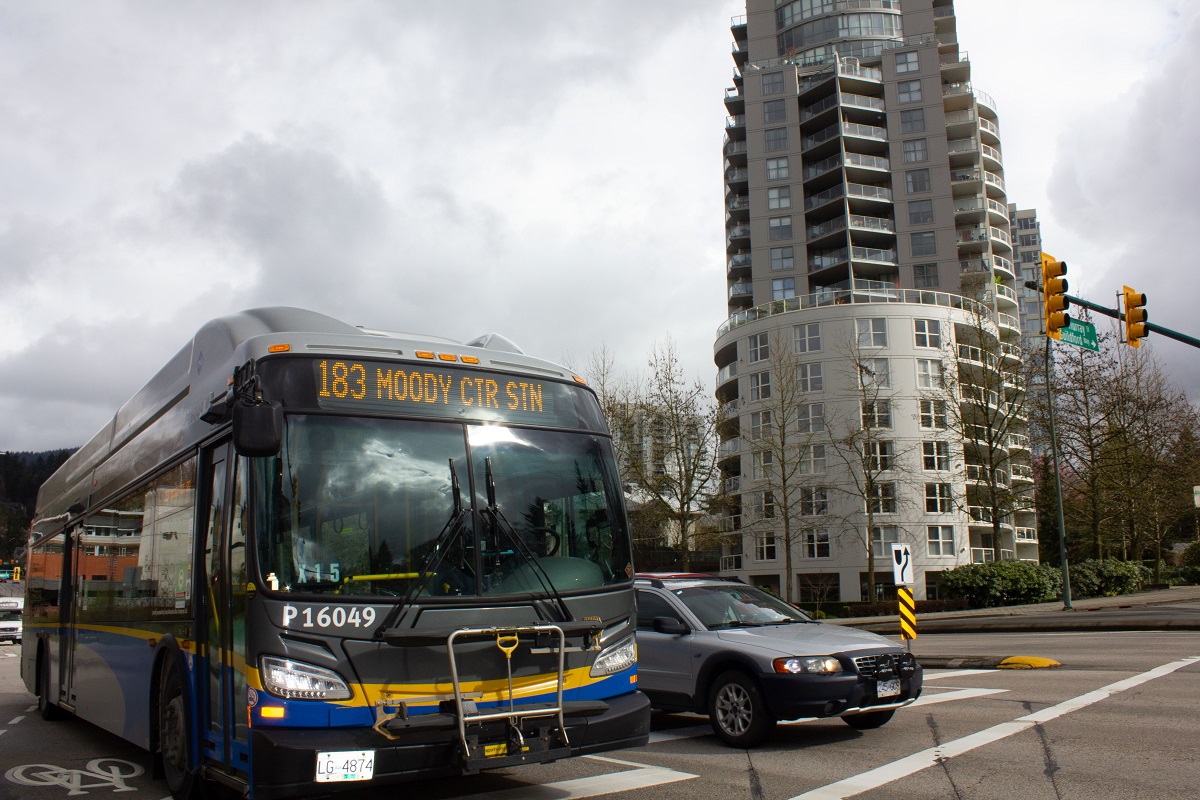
x=908 y=613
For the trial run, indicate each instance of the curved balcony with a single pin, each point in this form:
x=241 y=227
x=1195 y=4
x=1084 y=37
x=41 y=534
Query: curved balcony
x=1019 y=441
x=981 y=517
x=978 y=474
x=738 y=265
x=1004 y=267
x=994 y=183
x=1009 y=323
x=731 y=448
x=1026 y=535
x=1011 y=352
x=829 y=297
x=726 y=374
x=1006 y=297
x=989 y=130
x=985 y=101
x=991 y=157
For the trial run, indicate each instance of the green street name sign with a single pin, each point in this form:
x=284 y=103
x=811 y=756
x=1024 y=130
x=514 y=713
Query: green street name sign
x=1081 y=334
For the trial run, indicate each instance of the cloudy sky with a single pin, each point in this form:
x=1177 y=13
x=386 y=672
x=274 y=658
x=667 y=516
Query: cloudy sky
x=548 y=170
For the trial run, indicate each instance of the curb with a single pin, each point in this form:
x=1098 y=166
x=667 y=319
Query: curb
x=986 y=662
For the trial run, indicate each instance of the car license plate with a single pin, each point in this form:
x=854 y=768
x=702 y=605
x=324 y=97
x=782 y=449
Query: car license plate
x=345 y=765
x=888 y=688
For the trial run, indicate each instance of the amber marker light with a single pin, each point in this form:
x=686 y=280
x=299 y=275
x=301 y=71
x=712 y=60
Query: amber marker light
x=447 y=357
x=424 y=354
x=278 y=348
x=470 y=360
x=272 y=712
x=579 y=380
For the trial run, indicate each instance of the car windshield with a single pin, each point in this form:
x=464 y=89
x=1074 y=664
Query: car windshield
x=736 y=605
x=368 y=506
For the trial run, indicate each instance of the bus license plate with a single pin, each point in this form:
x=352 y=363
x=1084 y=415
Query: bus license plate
x=888 y=688
x=345 y=765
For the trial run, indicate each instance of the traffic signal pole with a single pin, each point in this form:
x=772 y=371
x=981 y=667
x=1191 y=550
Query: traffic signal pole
x=1062 y=525
x=1150 y=326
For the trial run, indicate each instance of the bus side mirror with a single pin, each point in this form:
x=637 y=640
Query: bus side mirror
x=257 y=428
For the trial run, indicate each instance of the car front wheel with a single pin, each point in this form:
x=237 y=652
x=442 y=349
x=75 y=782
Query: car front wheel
x=737 y=711
x=869 y=720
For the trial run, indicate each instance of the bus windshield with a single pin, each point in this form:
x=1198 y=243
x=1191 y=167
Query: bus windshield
x=368 y=506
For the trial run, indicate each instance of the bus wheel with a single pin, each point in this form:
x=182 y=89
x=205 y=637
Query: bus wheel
x=174 y=736
x=46 y=707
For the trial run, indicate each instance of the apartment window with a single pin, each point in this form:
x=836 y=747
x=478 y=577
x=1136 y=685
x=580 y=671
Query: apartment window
x=774 y=111
x=777 y=168
x=912 y=121
x=908 y=92
x=935 y=455
x=779 y=197
x=809 y=377
x=871 y=332
x=807 y=337
x=881 y=498
x=938 y=498
x=906 y=62
x=812 y=460
x=915 y=150
x=760 y=385
x=882 y=539
x=773 y=83
x=764 y=547
x=760 y=347
x=925 y=276
x=780 y=228
x=814 y=501
x=1031 y=257
x=916 y=180
x=760 y=464
x=816 y=543
x=941 y=540
x=920 y=212
x=783 y=288
x=879 y=456
x=929 y=373
x=810 y=417
x=775 y=138
x=760 y=424
x=765 y=503
x=782 y=258
x=933 y=414
x=877 y=414
x=875 y=373
x=928 y=333
x=1028 y=240
x=924 y=243
x=1027 y=223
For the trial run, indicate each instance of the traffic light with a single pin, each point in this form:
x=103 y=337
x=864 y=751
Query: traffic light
x=1054 y=295
x=1136 y=317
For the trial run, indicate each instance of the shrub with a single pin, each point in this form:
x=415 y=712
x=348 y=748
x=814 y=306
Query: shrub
x=1191 y=555
x=1107 y=578
x=1001 y=583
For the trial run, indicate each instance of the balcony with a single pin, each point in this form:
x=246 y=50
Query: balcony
x=991 y=128
x=817 y=109
x=1008 y=322
x=992 y=155
x=863 y=101
x=731 y=563
x=727 y=373
x=873 y=255
x=1003 y=265
x=1005 y=295
x=1026 y=535
x=827 y=259
x=982 y=555
x=861 y=223
x=735 y=126
x=738 y=233
x=868 y=192
x=741 y=290
x=736 y=151
x=981 y=516
x=867 y=162
x=993 y=181
x=729 y=448
x=821 y=198
x=738 y=264
x=820 y=137
x=822 y=167
x=861 y=131
x=1023 y=472
x=732 y=485
x=738 y=207
x=738 y=175
x=834 y=225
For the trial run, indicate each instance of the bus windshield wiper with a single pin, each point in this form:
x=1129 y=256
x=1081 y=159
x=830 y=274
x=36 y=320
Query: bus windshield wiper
x=450 y=533
x=499 y=522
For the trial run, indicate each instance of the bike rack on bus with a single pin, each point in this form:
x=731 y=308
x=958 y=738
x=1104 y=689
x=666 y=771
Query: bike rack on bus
x=551 y=741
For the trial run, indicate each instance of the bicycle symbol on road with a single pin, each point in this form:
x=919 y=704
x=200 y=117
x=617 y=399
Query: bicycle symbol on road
x=99 y=772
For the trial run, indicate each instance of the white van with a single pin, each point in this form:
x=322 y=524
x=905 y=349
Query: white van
x=10 y=618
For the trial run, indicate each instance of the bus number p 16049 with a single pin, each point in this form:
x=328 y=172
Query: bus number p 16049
x=327 y=617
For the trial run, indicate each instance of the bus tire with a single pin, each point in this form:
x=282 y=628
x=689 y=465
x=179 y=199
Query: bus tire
x=47 y=708
x=175 y=735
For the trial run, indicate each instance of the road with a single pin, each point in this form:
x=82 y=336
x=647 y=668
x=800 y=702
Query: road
x=1119 y=719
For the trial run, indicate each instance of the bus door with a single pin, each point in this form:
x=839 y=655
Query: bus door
x=223 y=629
x=70 y=600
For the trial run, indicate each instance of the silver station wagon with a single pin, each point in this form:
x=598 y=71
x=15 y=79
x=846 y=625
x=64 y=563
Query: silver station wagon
x=748 y=659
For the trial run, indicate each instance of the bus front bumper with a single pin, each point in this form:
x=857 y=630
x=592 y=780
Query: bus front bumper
x=285 y=759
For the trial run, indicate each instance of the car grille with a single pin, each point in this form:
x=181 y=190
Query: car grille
x=888 y=663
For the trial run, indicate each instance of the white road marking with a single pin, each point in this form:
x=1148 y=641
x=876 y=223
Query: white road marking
x=954 y=673
x=873 y=779
x=957 y=694
x=15 y=720
x=690 y=732
x=643 y=777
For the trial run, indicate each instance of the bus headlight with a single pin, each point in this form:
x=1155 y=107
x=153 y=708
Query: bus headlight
x=294 y=680
x=612 y=660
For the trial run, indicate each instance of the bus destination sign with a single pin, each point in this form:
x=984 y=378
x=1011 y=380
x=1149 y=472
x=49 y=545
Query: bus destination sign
x=432 y=391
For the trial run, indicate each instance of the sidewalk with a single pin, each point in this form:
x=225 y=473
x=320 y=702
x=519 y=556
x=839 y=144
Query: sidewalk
x=1085 y=614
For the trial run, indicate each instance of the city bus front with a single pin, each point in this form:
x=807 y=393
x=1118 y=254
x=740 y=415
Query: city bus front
x=438 y=579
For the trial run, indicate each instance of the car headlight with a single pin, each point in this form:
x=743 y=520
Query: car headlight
x=813 y=665
x=615 y=658
x=294 y=680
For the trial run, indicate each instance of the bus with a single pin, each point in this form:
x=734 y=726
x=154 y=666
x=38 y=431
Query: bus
x=309 y=557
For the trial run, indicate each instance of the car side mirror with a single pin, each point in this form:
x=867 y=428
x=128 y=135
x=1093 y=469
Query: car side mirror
x=670 y=626
x=257 y=428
